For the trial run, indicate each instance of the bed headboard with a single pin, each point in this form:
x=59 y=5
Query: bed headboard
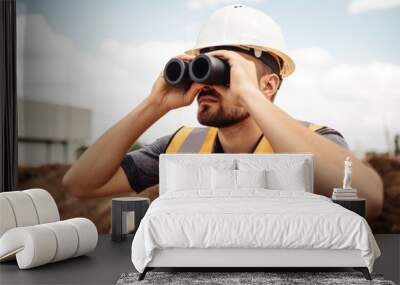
x=213 y=159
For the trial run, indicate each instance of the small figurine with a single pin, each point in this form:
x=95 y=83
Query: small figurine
x=347 y=192
x=347 y=174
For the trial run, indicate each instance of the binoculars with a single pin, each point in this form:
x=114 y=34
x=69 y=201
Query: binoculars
x=203 y=68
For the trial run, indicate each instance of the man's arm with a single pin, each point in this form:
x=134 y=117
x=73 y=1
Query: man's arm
x=98 y=172
x=287 y=135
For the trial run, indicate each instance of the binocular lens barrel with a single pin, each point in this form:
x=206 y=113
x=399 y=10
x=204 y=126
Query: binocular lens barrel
x=176 y=73
x=209 y=70
x=202 y=69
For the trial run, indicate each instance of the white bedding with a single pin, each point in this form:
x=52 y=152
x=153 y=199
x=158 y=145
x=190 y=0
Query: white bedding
x=251 y=218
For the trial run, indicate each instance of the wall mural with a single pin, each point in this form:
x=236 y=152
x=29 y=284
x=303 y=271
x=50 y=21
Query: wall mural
x=83 y=65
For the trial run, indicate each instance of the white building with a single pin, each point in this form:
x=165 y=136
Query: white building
x=50 y=133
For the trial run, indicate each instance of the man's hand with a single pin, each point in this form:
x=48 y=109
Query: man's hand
x=168 y=97
x=243 y=76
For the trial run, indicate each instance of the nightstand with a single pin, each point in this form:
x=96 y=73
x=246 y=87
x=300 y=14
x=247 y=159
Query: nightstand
x=358 y=206
x=121 y=208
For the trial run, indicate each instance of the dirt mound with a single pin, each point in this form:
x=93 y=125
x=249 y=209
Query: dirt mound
x=49 y=177
x=389 y=170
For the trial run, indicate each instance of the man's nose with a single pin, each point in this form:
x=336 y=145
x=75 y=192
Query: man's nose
x=206 y=89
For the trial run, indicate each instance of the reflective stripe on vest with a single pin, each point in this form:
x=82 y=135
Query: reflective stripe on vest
x=202 y=139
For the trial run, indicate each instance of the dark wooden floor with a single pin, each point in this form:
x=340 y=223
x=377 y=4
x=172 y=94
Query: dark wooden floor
x=110 y=260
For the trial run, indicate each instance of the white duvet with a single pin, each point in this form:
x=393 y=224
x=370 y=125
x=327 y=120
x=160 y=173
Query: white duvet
x=253 y=218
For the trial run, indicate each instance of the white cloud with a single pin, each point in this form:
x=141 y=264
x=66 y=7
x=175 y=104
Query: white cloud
x=112 y=80
x=354 y=99
x=361 y=6
x=313 y=56
x=201 y=4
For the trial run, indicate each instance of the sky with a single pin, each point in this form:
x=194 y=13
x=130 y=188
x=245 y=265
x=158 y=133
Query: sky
x=105 y=55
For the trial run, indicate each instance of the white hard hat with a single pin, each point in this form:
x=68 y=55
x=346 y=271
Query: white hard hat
x=242 y=26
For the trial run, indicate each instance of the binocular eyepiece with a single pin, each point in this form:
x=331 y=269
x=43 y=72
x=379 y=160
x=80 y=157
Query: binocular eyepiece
x=202 y=69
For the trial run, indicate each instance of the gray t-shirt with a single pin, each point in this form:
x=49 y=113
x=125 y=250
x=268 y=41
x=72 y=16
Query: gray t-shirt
x=141 y=166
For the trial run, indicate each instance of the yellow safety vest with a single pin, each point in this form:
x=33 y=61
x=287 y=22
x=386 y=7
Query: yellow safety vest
x=202 y=139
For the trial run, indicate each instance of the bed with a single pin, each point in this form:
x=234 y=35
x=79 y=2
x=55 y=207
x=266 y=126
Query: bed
x=247 y=210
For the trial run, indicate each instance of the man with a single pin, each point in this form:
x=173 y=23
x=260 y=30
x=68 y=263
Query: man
x=242 y=117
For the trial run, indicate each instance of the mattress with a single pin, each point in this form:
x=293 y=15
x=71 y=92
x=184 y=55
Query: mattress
x=252 y=219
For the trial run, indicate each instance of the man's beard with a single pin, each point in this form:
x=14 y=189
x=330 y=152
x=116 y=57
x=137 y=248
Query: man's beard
x=220 y=118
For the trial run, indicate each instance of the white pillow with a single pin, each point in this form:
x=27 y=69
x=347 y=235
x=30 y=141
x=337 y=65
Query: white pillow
x=288 y=174
x=292 y=179
x=251 y=178
x=223 y=179
x=188 y=177
x=228 y=179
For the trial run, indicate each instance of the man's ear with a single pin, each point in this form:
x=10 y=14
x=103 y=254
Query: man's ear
x=269 y=84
